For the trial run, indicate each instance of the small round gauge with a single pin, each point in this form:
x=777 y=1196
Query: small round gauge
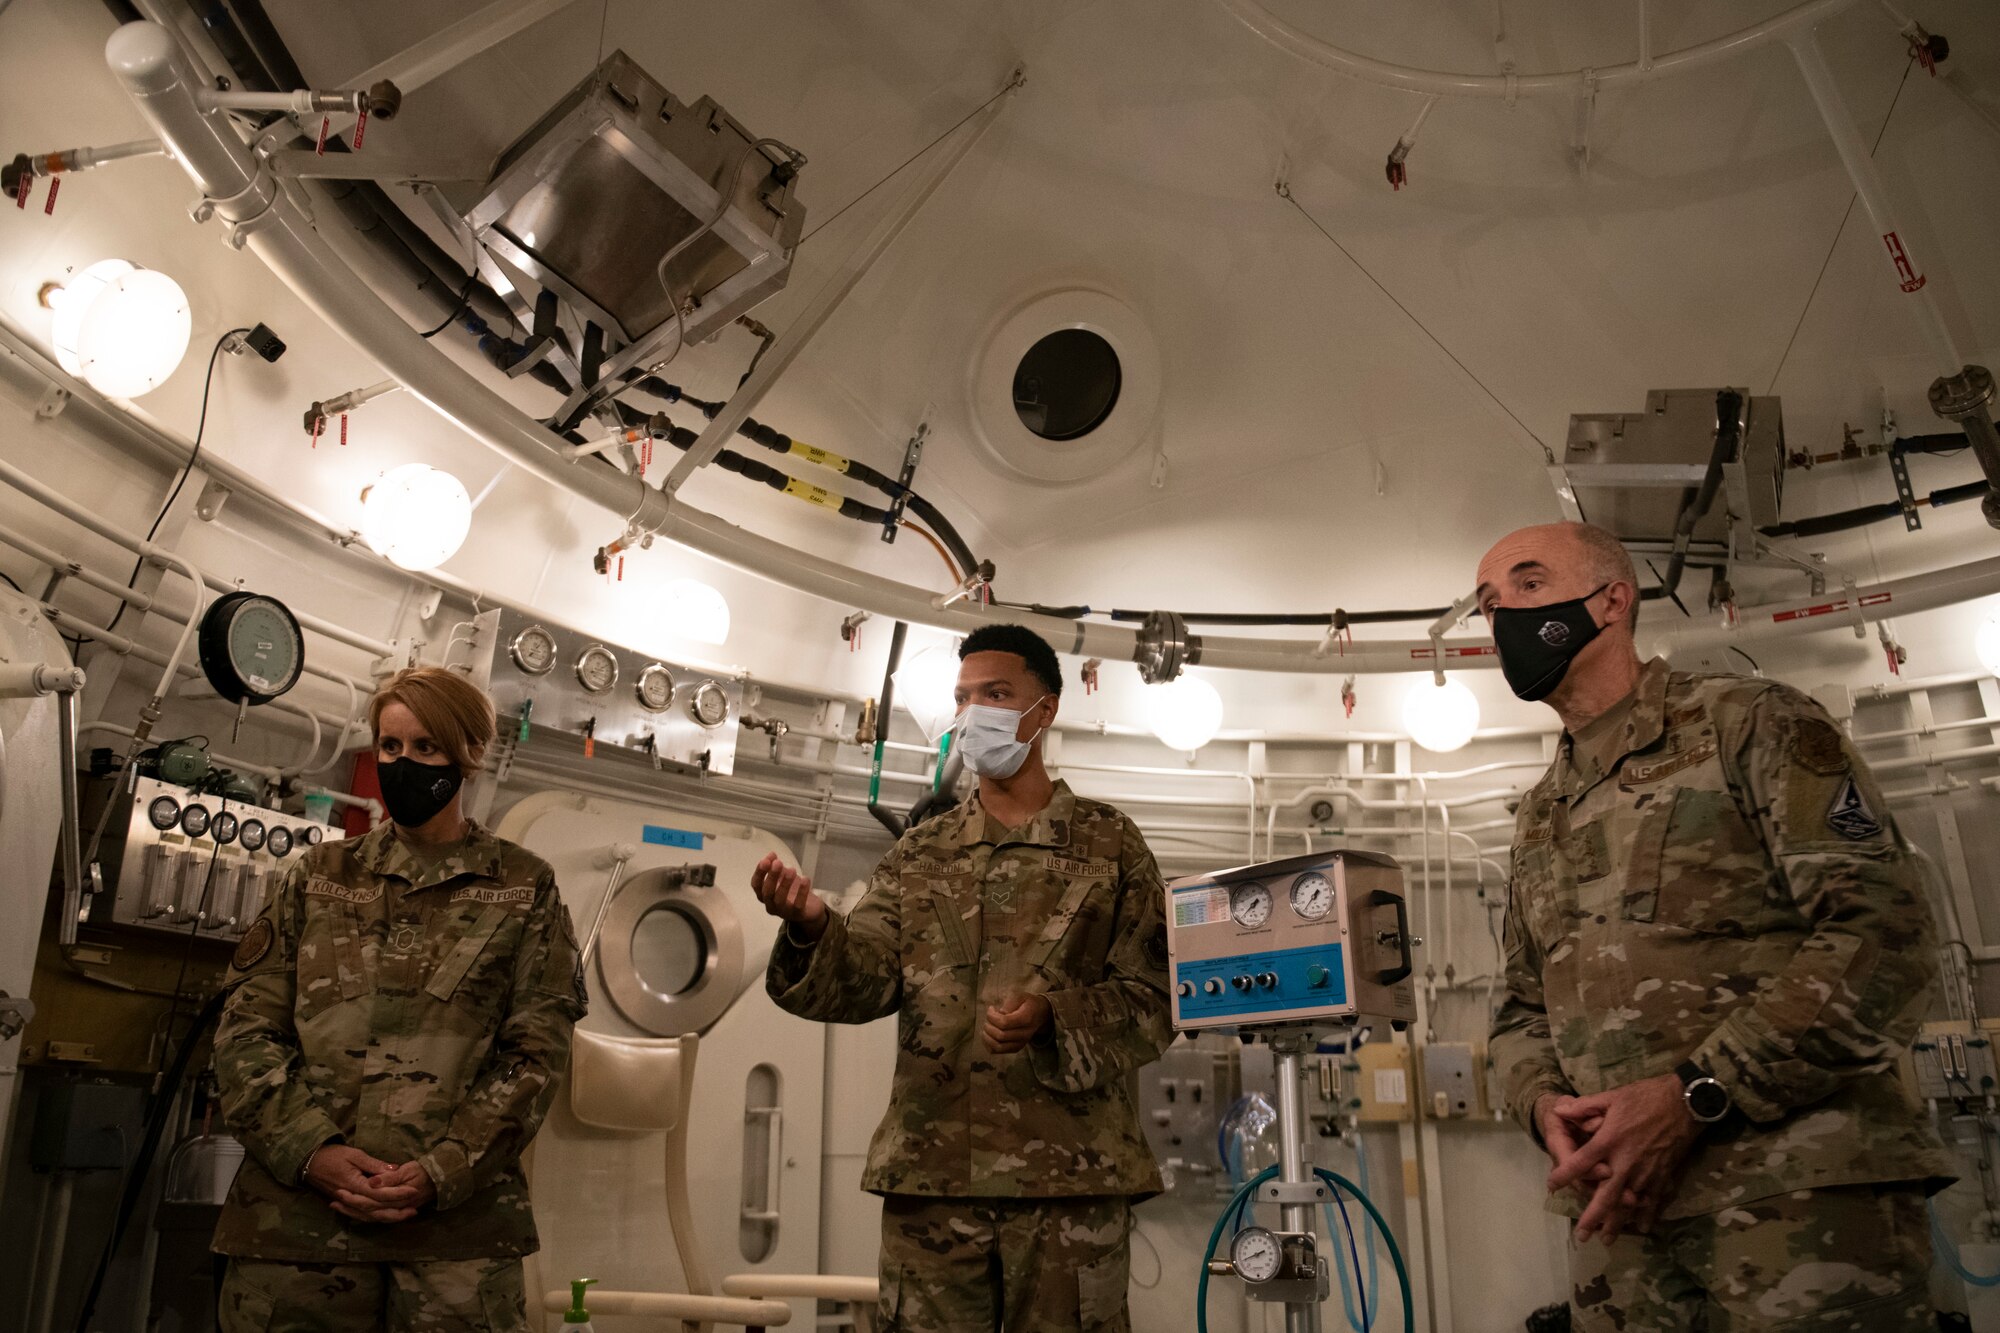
x=194 y=820
x=1256 y=1254
x=1312 y=896
x=1250 y=904
x=280 y=842
x=534 y=651
x=164 y=813
x=250 y=647
x=223 y=828
x=656 y=689
x=312 y=835
x=597 y=669
x=708 y=705
x=252 y=835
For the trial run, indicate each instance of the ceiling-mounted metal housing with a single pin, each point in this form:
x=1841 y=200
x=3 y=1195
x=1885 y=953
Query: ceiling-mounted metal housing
x=1628 y=471
x=599 y=190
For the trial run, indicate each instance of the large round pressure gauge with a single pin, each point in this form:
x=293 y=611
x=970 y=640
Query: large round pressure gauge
x=534 y=651
x=194 y=820
x=1250 y=904
x=253 y=835
x=655 y=689
x=280 y=842
x=223 y=828
x=250 y=647
x=709 y=705
x=163 y=813
x=1255 y=1254
x=597 y=669
x=312 y=835
x=1312 y=896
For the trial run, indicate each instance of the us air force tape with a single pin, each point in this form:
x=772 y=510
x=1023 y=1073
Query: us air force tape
x=255 y=944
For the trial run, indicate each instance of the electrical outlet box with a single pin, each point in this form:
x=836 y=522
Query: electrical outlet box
x=1383 y=1085
x=1451 y=1080
x=1953 y=1060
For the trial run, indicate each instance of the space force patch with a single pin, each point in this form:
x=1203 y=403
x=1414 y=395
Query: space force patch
x=255 y=944
x=1849 y=815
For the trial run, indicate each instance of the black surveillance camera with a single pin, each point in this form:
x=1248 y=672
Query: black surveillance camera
x=264 y=342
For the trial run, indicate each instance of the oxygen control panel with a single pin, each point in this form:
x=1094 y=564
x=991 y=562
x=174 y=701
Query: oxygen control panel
x=1311 y=938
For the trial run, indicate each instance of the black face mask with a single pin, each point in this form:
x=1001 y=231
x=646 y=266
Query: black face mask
x=1537 y=643
x=415 y=792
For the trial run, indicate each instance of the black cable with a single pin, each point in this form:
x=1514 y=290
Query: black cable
x=15 y=586
x=201 y=426
x=464 y=301
x=1838 y=232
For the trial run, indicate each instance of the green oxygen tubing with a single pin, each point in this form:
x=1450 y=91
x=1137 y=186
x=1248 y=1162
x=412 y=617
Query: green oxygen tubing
x=1241 y=1200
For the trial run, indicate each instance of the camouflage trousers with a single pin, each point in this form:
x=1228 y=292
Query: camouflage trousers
x=1854 y=1258
x=1005 y=1265
x=444 y=1296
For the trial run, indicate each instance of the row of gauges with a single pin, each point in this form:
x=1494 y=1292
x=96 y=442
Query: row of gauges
x=196 y=820
x=1312 y=898
x=534 y=650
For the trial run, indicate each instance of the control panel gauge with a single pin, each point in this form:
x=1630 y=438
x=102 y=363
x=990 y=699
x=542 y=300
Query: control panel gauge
x=194 y=820
x=534 y=651
x=280 y=842
x=250 y=647
x=312 y=835
x=1256 y=1254
x=655 y=689
x=597 y=669
x=252 y=835
x=1312 y=896
x=1250 y=904
x=164 y=812
x=223 y=828
x=709 y=705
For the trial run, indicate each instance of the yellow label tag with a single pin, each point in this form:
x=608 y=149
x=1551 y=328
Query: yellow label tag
x=813 y=495
x=816 y=455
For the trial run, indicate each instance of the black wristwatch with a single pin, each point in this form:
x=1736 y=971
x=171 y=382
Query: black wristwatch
x=1707 y=1100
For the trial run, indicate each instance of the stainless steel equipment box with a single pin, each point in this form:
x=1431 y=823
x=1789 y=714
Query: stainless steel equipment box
x=594 y=195
x=673 y=714
x=168 y=871
x=1316 y=938
x=1627 y=471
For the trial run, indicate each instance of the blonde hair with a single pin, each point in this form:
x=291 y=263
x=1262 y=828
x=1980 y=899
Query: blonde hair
x=457 y=714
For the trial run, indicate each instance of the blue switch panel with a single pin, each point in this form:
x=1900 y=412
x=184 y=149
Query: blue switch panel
x=1296 y=970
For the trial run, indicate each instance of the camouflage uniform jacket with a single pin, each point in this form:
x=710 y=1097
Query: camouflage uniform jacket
x=416 y=1008
x=1732 y=892
x=1070 y=906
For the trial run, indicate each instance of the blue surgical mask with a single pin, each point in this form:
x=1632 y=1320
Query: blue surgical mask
x=985 y=736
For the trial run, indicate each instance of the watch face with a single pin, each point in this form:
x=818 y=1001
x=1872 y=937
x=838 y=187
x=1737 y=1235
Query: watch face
x=1707 y=1099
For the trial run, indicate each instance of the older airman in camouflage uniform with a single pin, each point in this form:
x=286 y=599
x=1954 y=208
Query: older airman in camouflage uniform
x=1707 y=883
x=1026 y=963
x=407 y=1007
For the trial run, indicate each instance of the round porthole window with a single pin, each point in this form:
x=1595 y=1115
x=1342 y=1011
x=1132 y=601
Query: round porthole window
x=1067 y=384
x=669 y=951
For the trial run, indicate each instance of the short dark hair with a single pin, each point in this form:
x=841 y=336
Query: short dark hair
x=1025 y=644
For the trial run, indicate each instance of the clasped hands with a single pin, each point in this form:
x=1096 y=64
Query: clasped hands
x=364 y=1188
x=1621 y=1151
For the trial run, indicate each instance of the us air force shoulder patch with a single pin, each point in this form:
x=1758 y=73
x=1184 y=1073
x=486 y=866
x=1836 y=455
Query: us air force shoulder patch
x=1819 y=747
x=1849 y=815
x=255 y=944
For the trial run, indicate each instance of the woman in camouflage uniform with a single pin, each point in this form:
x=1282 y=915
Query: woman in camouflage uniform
x=397 y=1021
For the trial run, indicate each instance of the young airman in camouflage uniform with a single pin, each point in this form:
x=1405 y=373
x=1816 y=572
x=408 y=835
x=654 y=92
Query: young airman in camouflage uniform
x=1707 y=885
x=1025 y=959
x=407 y=1007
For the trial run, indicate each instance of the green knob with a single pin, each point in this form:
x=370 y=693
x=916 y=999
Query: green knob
x=1317 y=976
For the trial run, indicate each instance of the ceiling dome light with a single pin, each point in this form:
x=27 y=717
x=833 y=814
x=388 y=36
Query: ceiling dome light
x=926 y=684
x=123 y=328
x=416 y=516
x=1440 y=718
x=1185 y=713
x=693 y=610
x=1986 y=643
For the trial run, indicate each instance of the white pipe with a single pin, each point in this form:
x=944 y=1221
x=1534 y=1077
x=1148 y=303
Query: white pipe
x=1877 y=601
x=1512 y=86
x=299 y=102
x=83 y=159
x=1854 y=154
